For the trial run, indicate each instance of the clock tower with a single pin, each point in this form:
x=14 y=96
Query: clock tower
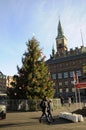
x=61 y=41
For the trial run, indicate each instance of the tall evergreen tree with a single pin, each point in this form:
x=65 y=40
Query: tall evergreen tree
x=33 y=80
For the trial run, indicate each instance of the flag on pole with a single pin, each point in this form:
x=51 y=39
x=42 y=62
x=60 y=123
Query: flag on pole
x=74 y=77
x=77 y=79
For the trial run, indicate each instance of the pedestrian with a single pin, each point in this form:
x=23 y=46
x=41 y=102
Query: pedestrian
x=44 y=106
x=62 y=101
x=69 y=101
x=72 y=99
x=50 y=109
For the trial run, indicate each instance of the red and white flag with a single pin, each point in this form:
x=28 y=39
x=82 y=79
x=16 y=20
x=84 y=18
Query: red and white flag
x=77 y=79
x=74 y=77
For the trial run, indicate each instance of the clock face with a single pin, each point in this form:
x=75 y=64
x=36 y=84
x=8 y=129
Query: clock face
x=59 y=41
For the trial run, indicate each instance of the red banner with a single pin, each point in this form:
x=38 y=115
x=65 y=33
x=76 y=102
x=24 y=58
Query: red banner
x=80 y=85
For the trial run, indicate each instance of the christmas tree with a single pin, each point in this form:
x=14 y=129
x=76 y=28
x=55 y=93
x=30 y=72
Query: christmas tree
x=33 y=80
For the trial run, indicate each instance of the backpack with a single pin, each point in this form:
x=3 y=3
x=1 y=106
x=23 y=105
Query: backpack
x=42 y=104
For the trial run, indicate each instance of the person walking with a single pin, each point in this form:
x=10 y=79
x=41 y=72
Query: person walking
x=72 y=99
x=44 y=106
x=69 y=101
x=62 y=101
x=50 y=109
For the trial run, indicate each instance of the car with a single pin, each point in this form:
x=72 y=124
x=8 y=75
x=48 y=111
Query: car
x=3 y=105
x=2 y=111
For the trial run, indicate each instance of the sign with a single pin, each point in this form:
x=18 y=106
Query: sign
x=80 y=85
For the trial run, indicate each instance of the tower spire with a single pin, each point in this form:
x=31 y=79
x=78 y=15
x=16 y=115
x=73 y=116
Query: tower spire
x=60 y=30
x=61 y=40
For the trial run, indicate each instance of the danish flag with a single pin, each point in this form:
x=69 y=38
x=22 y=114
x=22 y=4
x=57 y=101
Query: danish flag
x=75 y=77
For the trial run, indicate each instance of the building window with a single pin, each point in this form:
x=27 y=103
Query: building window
x=67 y=90
x=78 y=72
x=53 y=76
x=71 y=73
x=60 y=83
x=72 y=82
x=65 y=74
x=60 y=90
x=66 y=83
x=73 y=89
x=84 y=69
x=59 y=75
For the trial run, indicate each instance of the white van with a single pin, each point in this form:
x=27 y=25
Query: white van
x=3 y=98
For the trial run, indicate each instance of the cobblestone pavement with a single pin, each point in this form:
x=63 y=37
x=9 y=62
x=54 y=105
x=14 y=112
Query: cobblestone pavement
x=30 y=121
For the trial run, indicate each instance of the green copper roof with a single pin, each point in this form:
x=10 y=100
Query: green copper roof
x=60 y=30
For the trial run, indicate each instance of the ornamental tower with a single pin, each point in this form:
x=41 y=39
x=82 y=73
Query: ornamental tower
x=61 y=41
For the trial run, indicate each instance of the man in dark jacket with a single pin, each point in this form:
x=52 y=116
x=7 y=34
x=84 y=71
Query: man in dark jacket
x=50 y=109
x=44 y=106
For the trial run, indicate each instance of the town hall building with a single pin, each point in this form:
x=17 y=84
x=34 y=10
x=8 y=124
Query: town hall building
x=63 y=63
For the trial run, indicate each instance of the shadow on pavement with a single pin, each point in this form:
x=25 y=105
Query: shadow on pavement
x=81 y=111
x=18 y=124
x=56 y=121
x=61 y=121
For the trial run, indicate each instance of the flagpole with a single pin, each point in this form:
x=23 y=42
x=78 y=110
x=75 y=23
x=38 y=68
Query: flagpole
x=75 y=80
x=76 y=97
x=79 y=93
x=79 y=98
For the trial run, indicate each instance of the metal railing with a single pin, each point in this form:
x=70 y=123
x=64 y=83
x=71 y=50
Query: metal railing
x=28 y=105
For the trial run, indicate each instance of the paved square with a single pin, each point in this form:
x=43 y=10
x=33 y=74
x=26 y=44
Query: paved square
x=30 y=121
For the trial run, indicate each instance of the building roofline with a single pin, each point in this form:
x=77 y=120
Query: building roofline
x=65 y=59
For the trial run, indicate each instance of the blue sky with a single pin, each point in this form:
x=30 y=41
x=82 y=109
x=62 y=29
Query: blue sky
x=21 y=19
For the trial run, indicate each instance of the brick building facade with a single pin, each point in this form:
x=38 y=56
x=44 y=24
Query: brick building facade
x=63 y=64
x=2 y=82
